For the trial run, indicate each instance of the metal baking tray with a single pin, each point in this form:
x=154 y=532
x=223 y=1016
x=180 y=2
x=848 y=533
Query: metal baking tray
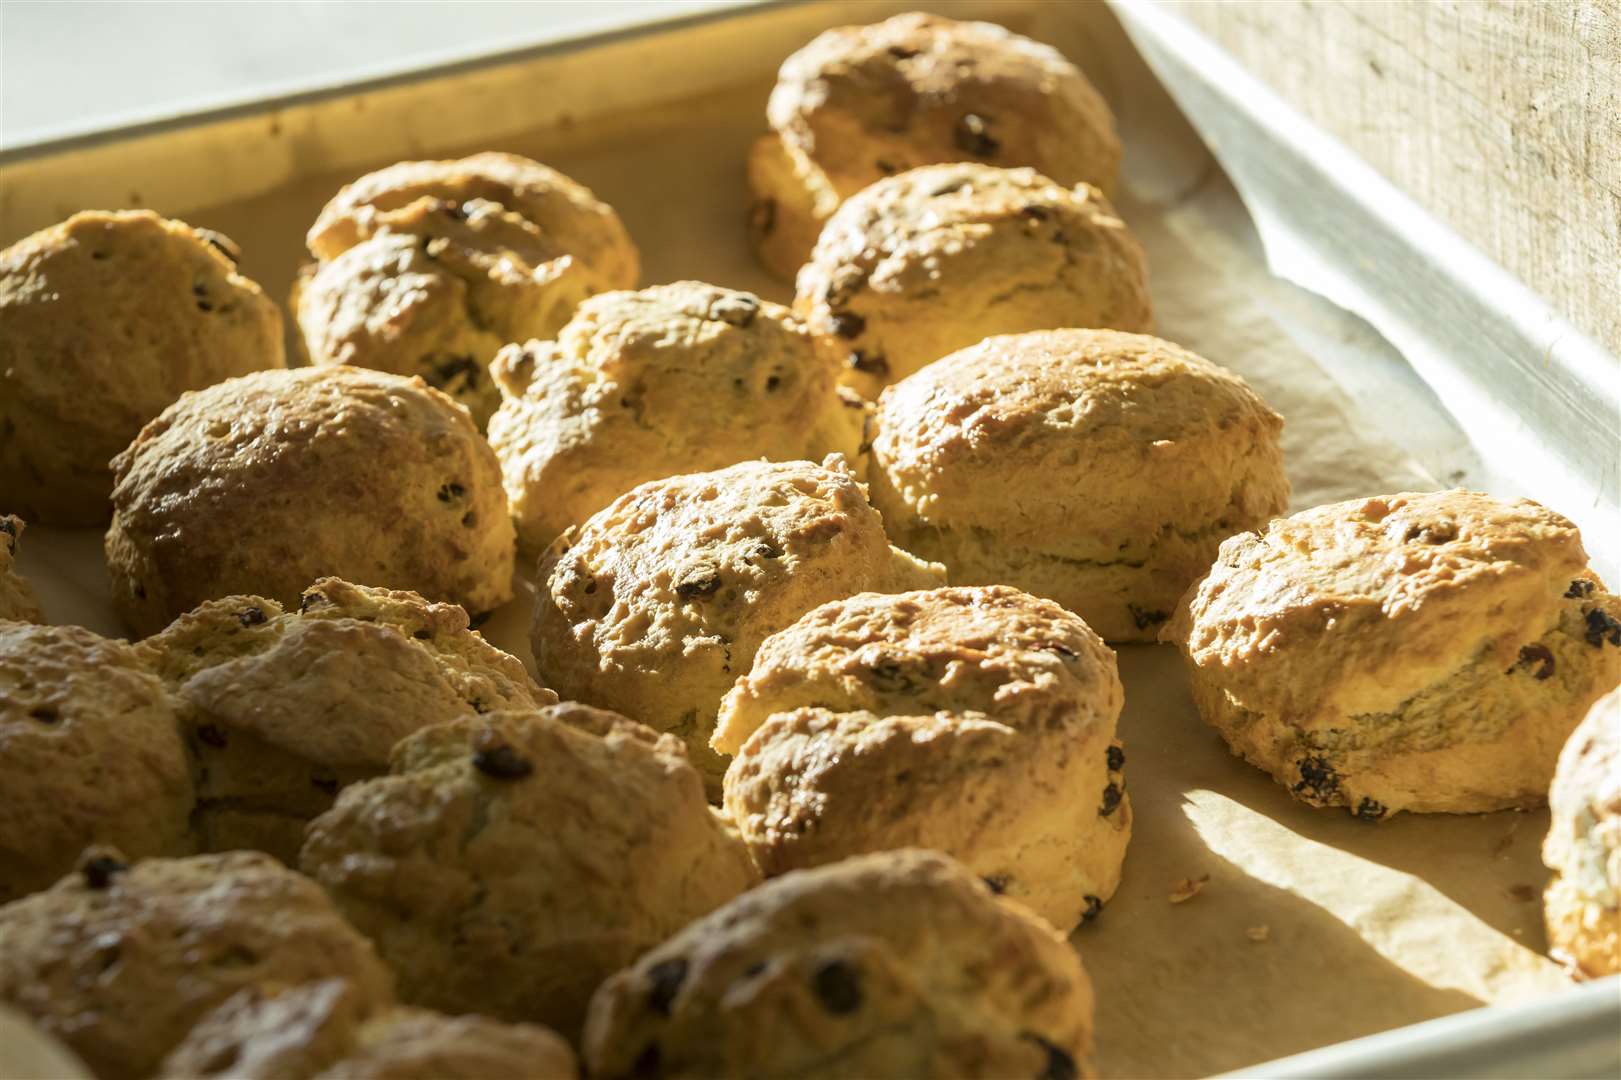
x=1460 y=370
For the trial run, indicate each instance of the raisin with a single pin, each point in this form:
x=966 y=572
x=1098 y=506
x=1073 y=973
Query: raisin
x=1601 y=627
x=871 y=365
x=738 y=311
x=972 y=134
x=700 y=584
x=100 y=871
x=847 y=324
x=451 y=491
x=948 y=188
x=325 y=784
x=666 y=977
x=1369 y=809
x=763 y=216
x=501 y=762
x=767 y=551
x=45 y=714
x=1116 y=757
x=1061 y=649
x=997 y=883
x=211 y=735
x=1579 y=588
x=252 y=616
x=1539 y=655
x=221 y=243
x=838 y=987
x=1035 y=213
x=1318 y=780
x=1111 y=800
x=772 y=382
x=1094 y=907
x=1060 y=1066
x=1144 y=618
x=309 y=600
x=901 y=52
x=1432 y=533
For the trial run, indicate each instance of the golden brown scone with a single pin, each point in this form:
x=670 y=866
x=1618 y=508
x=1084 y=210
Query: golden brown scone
x=262 y=484
x=564 y=210
x=1100 y=469
x=108 y=318
x=977 y=722
x=643 y=385
x=119 y=961
x=90 y=752
x=937 y=259
x=511 y=862
x=1428 y=652
x=657 y=604
x=896 y=964
x=1583 y=846
x=327 y=1030
x=860 y=103
x=17 y=600
x=436 y=288
x=282 y=709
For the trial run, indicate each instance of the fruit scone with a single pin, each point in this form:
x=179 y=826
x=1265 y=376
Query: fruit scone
x=1583 y=846
x=895 y=964
x=657 y=604
x=109 y=317
x=977 y=722
x=17 y=600
x=283 y=708
x=1427 y=652
x=642 y=385
x=859 y=103
x=429 y=267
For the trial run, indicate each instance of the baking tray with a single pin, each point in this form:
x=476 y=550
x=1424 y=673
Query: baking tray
x=1367 y=929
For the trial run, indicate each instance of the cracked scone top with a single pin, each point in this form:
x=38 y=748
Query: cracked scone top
x=1583 y=847
x=895 y=964
x=643 y=385
x=283 y=708
x=329 y=1030
x=90 y=753
x=512 y=861
x=1097 y=468
x=17 y=600
x=977 y=722
x=934 y=260
x=262 y=484
x=859 y=103
x=657 y=604
x=119 y=961
x=1425 y=652
x=108 y=318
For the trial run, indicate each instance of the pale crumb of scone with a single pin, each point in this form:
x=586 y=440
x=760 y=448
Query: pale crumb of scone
x=1188 y=888
x=1259 y=934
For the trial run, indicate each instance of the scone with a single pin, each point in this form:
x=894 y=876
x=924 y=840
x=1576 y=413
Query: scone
x=977 y=722
x=897 y=964
x=1583 y=847
x=260 y=485
x=17 y=600
x=120 y=960
x=511 y=862
x=328 y=1030
x=934 y=260
x=643 y=385
x=1097 y=468
x=283 y=708
x=108 y=318
x=90 y=752
x=1428 y=652
x=656 y=605
x=429 y=267
x=860 y=103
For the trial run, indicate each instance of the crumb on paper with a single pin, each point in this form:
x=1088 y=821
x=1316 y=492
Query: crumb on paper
x=1523 y=893
x=1188 y=888
x=1258 y=933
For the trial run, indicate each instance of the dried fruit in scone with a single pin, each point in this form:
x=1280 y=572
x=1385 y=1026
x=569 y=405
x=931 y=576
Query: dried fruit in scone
x=260 y=485
x=859 y=103
x=656 y=604
x=1097 y=468
x=328 y=1030
x=1583 y=847
x=282 y=708
x=1422 y=651
x=119 y=959
x=895 y=964
x=977 y=722
x=642 y=385
x=109 y=317
x=934 y=260
x=90 y=753
x=17 y=600
x=510 y=862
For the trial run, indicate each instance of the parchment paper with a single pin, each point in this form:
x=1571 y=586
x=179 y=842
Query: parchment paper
x=1361 y=927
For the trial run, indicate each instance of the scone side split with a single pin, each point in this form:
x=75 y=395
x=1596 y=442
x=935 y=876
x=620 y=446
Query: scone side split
x=17 y=600
x=1582 y=904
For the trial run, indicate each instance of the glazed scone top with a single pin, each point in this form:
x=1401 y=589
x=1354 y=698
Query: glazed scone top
x=1584 y=838
x=640 y=385
x=1372 y=599
x=17 y=600
x=864 y=102
x=997 y=651
x=341 y=679
x=899 y=963
x=120 y=960
x=1025 y=435
x=564 y=211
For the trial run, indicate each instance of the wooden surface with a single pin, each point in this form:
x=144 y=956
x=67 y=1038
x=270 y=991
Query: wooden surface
x=1502 y=118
